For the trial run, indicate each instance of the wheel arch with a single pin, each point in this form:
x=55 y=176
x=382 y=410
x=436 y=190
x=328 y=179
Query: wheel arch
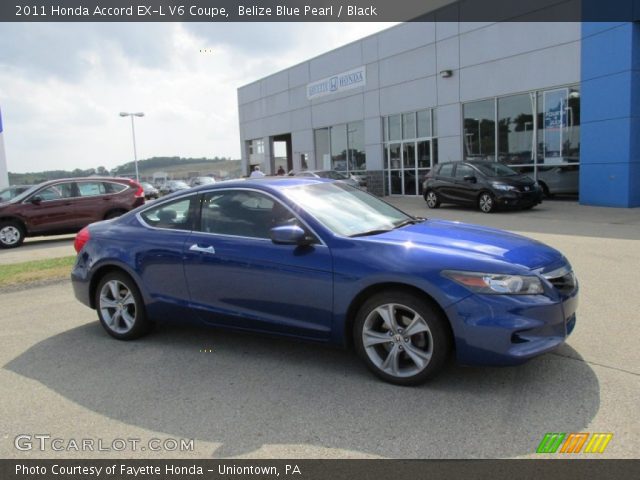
x=99 y=274
x=17 y=220
x=374 y=289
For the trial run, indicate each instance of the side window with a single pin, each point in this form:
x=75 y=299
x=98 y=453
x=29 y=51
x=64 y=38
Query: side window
x=243 y=213
x=111 y=187
x=446 y=170
x=56 y=192
x=91 y=189
x=176 y=215
x=463 y=171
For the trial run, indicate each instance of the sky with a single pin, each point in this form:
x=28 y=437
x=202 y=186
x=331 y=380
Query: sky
x=62 y=86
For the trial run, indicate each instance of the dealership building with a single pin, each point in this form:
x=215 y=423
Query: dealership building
x=559 y=101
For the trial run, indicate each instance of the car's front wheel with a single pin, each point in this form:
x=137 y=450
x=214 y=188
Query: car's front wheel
x=486 y=202
x=120 y=307
x=11 y=234
x=432 y=199
x=402 y=338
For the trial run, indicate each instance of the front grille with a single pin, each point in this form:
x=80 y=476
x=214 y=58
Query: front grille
x=562 y=279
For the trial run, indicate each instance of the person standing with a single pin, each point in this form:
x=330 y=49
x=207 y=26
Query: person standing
x=256 y=172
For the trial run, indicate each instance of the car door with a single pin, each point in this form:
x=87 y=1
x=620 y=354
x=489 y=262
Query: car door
x=466 y=184
x=53 y=210
x=92 y=203
x=445 y=182
x=239 y=278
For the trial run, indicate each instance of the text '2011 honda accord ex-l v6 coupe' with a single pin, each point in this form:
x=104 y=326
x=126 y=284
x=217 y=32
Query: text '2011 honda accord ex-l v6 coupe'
x=323 y=261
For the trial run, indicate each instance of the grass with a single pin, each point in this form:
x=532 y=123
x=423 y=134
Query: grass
x=35 y=271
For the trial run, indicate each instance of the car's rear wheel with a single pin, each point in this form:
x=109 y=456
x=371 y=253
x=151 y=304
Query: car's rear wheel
x=401 y=338
x=120 y=307
x=11 y=234
x=432 y=199
x=486 y=202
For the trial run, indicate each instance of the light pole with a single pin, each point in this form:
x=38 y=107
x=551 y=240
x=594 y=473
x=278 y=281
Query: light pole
x=133 y=133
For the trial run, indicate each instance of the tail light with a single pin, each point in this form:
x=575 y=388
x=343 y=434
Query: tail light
x=139 y=190
x=82 y=237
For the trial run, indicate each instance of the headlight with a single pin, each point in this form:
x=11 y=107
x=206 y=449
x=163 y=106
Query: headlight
x=495 y=283
x=503 y=187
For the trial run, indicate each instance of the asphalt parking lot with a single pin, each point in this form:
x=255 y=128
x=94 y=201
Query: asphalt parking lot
x=240 y=395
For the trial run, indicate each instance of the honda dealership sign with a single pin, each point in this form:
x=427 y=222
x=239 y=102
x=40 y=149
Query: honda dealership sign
x=337 y=83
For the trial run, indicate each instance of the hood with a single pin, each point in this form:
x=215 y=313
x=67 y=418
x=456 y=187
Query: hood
x=516 y=181
x=475 y=240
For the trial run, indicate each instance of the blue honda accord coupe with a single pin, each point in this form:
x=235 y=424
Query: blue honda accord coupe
x=327 y=262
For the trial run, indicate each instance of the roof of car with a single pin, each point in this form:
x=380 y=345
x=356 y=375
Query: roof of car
x=275 y=182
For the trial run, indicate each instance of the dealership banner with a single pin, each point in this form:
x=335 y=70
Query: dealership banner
x=337 y=83
x=319 y=469
x=317 y=10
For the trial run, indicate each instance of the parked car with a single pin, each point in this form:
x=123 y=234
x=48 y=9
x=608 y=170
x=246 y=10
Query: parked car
x=482 y=184
x=324 y=261
x=65 y=206
x=173 y=186
x=197 y=181
x=329 y=174
x=559 y=180
x=13 y=191
x=150 y=191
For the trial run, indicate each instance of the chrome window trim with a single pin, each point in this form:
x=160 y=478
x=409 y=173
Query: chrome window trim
x=28 y=199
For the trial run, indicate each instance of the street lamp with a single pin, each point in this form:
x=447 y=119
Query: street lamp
x=133 y=132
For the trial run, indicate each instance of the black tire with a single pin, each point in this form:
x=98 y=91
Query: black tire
x=545 y=190
x=132 y=321
x=432 y=198
x=114 y=214
x=432 y=338
x=486 y=202
x=11 y=234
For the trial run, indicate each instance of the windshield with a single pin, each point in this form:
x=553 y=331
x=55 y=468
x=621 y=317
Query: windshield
x=495 y=169
x=332 y=174
x=346 y=210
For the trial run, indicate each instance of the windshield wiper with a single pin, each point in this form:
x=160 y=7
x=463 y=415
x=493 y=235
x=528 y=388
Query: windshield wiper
x=410 y=221
x=371 y=232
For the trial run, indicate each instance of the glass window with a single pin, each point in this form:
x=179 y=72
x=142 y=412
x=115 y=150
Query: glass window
x=408 y=125
x=346 y=210
x=479 y=130
x=446 y=170
x=111 y=187
x=395 y=127
x=409 y=155
x=424 y=123
x=243 y=213
x=91 y=189
x=56 y=192
x=339 y=147
x=175 y=215
x=424 y=154
x=323 y=157
x=464 y=171
x=355 y=140
x=516 y=129
x=394 y=156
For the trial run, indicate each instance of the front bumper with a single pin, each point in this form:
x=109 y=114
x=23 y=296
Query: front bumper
x=517 y=199
x=510 y=329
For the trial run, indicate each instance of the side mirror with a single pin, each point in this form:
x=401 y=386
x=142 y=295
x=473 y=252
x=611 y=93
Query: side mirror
x=470 y=179
x=289 y=235
x=36 y=200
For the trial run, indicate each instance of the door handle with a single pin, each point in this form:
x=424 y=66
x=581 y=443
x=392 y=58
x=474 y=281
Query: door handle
x=197 y=248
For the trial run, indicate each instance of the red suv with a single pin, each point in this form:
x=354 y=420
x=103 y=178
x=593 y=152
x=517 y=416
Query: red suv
x=65 y=206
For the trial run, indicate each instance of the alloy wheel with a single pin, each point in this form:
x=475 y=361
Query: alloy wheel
x=486 y=203
x=432 y=199
x=10 y=235
x=397 y=340
x=117 y=306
